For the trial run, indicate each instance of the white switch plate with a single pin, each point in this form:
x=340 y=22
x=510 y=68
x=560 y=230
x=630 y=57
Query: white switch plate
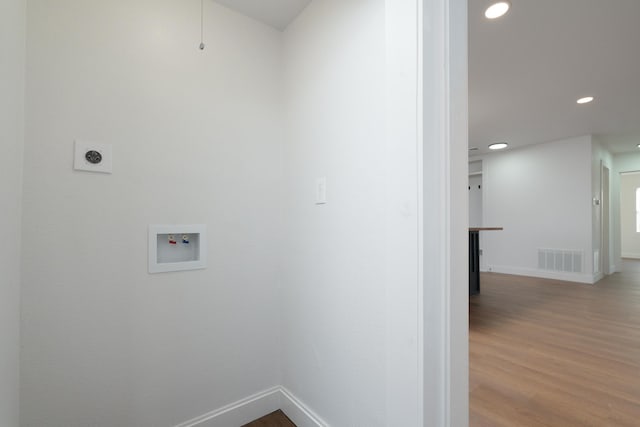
x=321 y=191
x=80 y=163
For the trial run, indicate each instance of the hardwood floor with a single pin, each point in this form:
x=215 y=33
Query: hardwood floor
x=551 y=353
x=274 y=419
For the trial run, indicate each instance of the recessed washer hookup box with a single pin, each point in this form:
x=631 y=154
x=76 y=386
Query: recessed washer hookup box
x=177 y=247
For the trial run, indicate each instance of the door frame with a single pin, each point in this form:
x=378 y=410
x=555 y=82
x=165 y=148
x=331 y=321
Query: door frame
x=605 y=219
x=443 y=164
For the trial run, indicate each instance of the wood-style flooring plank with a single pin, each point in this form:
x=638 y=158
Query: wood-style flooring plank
x=274 y=419
x=549 y=353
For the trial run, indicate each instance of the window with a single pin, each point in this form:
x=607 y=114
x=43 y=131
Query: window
x=637 y=210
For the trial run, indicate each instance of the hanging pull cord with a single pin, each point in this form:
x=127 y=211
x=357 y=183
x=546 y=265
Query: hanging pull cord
x=201 y=24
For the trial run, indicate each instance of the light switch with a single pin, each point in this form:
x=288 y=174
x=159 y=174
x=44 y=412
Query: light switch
x=93 y=157
x=321 y=191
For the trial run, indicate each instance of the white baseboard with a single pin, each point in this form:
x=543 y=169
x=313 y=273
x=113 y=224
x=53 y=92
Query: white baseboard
x=556 y=275
x=298 y=412
x=630 y=255
x=255 y=406
x=239 y=413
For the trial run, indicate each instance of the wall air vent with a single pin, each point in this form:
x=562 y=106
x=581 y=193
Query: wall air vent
x=567 y=261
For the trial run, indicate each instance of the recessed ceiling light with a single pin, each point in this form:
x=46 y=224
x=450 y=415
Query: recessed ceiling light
x=585 y=100
x=497 y=9
x=638 y=145
x=498 y=146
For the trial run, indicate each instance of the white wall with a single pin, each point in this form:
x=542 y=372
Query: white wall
x=197 y=139
x=630 y=238
x=350 y=337
x=12 y=59
x=628 y=162
x=542 y=196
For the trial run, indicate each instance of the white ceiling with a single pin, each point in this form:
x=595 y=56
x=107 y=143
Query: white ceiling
x=276 y=13
x=527 y=69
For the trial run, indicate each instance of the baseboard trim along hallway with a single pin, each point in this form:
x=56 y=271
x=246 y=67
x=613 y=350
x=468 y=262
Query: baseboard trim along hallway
x=258 y=405
x=589 y=279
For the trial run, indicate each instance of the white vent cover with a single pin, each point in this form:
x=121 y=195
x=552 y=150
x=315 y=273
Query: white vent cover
x=567 y=261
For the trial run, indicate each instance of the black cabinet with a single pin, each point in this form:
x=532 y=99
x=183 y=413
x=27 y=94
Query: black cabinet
x=474 y=262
